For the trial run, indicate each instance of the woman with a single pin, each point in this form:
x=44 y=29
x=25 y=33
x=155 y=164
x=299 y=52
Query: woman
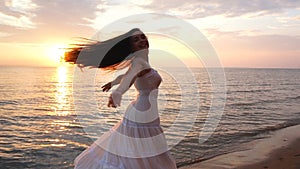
x=137 y=141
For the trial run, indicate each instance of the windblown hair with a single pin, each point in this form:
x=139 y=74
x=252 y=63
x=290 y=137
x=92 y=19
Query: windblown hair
x=112 y=54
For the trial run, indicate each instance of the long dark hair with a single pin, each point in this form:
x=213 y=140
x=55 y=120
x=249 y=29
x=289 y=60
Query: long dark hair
x=111 y=54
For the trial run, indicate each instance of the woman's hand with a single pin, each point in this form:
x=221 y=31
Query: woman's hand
x=106 y=87
x=114 y=99
x=111 y=102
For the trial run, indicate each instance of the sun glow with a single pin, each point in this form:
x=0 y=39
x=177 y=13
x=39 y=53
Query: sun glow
x=55 y=53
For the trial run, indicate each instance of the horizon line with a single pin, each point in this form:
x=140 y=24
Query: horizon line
x=226 y=67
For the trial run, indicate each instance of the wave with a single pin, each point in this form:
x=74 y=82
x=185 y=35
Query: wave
x=42 y=109
x=7 y=122
x=248 y=91
x=8 y=102
x=253 y=103
x=287 y=99
x=293 y=98
x=254 y=134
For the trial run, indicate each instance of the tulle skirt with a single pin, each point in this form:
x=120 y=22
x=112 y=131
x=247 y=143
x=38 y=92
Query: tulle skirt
x=128 y=145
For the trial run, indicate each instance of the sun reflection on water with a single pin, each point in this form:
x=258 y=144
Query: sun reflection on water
x=62 y=110
x=62 y=92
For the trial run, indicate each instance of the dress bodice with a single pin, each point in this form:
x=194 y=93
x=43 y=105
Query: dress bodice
x=148 y=81
x=147 y=88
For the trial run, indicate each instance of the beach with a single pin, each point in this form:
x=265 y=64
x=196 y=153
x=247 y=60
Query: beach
x=280 y=151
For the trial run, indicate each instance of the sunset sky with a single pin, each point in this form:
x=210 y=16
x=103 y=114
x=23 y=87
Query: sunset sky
x=256 y=33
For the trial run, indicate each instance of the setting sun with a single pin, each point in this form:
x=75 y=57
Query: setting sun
x=55 y=52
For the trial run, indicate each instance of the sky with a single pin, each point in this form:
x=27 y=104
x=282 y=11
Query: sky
x=256 y=33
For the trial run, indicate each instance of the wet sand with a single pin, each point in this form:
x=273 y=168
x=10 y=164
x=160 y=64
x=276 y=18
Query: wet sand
x=280 y=151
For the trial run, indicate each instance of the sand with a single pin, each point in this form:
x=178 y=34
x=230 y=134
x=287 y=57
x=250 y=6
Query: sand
x=280 y=151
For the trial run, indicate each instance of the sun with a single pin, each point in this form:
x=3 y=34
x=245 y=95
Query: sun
x=55 y=52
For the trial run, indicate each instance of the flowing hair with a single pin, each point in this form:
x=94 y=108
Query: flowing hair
x=112 y=54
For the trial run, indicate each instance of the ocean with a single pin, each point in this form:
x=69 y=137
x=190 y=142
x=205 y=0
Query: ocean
x=43 y=126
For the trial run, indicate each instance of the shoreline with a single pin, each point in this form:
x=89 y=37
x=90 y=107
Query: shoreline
x=280 y=150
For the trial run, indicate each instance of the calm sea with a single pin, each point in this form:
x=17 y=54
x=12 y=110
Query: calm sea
x=39 y=127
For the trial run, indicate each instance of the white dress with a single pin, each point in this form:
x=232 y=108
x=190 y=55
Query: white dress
x=137 y=141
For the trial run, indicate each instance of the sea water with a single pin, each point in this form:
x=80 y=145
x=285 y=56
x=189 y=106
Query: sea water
x=43 y=126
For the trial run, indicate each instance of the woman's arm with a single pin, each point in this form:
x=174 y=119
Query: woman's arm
x=137 y=65
x=116 y=95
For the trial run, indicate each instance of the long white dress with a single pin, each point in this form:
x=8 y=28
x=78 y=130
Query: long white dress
x=137 y=141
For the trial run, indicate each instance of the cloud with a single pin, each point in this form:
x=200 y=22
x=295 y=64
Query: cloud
x=4 y=34
x=21 y=6
x=110 y=11
x=258 y=42
x=241 y=50
x=44 y=20
x=65 y=12
x=18 y=13
x=235 y=14
x=213 y=34
x=22 y=22
x=288 y=19
x=230 y=8
x=45 y=14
